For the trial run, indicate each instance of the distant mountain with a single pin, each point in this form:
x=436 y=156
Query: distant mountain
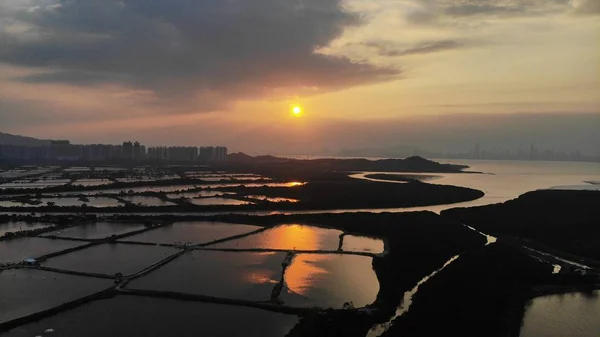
x=242 y=157
x=8 y=139
x=410 y=164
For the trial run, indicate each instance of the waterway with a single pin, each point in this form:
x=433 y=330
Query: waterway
x=141 y=316
x=564 y=315
x=573 y=315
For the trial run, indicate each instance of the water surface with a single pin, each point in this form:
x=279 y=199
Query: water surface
x=92 y=182
x=239 y=275
x=16 y=250
x=141 y=200
x=194 y=232
x=110 y=259
x=218 y=201
x=573 y=315
x=289 y=237
x=329 y=281
x=9 y=203
x=196 y=194
x=16 y=226
x=271 y=199
x=141 y=317
x=96 y=230
x=505 y=180
x=27 y=291
x=353 y=243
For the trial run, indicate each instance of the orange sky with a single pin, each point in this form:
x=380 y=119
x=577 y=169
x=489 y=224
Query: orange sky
x=102 y=71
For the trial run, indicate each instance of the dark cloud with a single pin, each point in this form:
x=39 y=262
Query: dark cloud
x=474 y=9
x=432 y=10
x=75 y=77
x=391 y=49
x=502 y=7
x=231 y=49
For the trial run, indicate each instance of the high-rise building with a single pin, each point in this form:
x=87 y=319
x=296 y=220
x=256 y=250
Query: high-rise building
x=207 y=153
x=137 y=151
x=220 y=153
x=127 y=150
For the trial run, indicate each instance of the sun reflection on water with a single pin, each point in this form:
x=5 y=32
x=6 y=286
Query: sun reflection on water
x=295 y=237
x=304 y=273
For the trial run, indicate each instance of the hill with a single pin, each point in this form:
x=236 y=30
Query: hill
x=8 y=139
x=270 y=163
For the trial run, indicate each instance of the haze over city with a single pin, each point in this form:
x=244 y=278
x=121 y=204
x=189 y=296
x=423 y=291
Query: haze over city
x=440 y=75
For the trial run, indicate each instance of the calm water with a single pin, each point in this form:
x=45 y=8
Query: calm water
x=179 y=188
x=27 y=291
x=573 y=315
x=103 y=202
x=75 y=202
x=147 y=201
x=17 y=250
x=271 y=199
x=289 y=237
x=15 y=226
x=218 y=201
x=507 y=180
x=353 y=243
x=8 y=203
x=92 y=182
x=72 y=201
x=197 y=194
x=138 y=316
x=194 y=232
x=173 y=188
x=329 y=280
x=110 y=259
x=96 y=230
x=239 y=275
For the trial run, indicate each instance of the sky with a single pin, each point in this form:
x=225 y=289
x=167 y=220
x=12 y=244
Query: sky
x=436 y=74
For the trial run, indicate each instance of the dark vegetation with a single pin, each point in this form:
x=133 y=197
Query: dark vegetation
x=562 y=220
x=417 y=242
x=412 y=178
x=348 y=193
x=482 y=293
x=328 y=191
x=300 y=169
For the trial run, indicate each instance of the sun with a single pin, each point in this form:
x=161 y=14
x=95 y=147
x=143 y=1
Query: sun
x=297 y=111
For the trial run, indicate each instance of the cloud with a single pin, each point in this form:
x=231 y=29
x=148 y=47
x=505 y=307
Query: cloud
x=431 y=11
x=391 y=49
x=192 y=49
x=74 y=77
x=587 y=7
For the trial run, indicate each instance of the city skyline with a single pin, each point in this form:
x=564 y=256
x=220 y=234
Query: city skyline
x=15 y=148
x=63 y=150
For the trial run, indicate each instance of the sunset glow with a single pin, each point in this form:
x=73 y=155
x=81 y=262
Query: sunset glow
x=203 y=74
x=297 y=111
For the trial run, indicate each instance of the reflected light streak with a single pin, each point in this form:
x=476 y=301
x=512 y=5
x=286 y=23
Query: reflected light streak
x=259 y=277
x=295 y=237
x=262 y=275
x=304 y=273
